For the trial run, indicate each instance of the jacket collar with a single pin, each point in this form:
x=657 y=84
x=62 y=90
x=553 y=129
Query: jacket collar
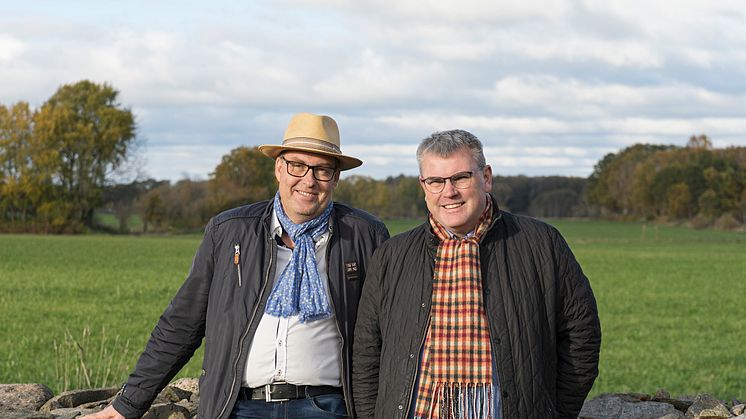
x=269 y=213
x=433 y=241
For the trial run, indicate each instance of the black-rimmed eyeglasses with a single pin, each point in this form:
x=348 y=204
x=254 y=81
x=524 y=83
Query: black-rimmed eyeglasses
x=435 y=184
x=320 y=173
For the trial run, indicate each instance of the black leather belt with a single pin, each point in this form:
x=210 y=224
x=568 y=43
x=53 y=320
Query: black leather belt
x=282 y=392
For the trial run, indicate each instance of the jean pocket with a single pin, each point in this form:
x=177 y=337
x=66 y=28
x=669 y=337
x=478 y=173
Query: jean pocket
x=331 y=404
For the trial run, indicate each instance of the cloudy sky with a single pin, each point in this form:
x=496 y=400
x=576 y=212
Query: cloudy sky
x=548 y=86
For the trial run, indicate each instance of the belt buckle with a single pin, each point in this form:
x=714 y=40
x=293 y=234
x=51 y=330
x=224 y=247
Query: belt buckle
x=268 y=394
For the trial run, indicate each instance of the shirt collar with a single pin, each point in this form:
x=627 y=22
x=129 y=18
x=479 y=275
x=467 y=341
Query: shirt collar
x=276 y=229
x=275 y=226
x=455 y=236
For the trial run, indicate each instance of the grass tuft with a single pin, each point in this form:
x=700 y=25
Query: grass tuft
x=89 y=362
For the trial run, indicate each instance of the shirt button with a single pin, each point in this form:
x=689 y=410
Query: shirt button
x=423 y=305
x=401 y=407
x=411 y=355
x=279 y=342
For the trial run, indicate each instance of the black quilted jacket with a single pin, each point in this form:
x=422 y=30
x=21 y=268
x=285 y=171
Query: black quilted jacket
x=541 y=311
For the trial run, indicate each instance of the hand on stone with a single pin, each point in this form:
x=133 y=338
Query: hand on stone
x=108 y=413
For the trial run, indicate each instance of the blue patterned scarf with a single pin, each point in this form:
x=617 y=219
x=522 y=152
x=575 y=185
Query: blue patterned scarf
x=299 y=289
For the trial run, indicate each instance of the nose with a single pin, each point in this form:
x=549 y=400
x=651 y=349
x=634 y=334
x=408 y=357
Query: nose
x=449 y=190
x=308 y=179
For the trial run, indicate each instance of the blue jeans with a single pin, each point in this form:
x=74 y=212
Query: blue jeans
x=326 y=406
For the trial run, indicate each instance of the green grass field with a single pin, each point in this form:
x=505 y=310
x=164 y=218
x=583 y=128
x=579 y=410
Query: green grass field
x=671 y=302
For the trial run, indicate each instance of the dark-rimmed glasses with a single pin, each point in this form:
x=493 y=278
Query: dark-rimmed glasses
x=435 y=184
x=320 y=173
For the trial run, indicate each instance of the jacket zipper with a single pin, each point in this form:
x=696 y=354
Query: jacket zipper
x=343 y=378
x=246 y=332
x=236 y=255
x=419 y=351
x=493 y=349
x=494 y=357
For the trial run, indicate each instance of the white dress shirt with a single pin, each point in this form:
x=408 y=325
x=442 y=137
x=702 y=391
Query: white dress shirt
x=285 y=350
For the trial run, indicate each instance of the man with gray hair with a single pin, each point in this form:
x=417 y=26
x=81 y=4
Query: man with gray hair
x=476 y=313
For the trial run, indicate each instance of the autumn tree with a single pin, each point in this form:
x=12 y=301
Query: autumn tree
x=699 y=142
x=152 y=209
x=18 y=196
x=365 y=193
x=612 y=183
x=679 y=200
x=243 y=176
x=86 y=135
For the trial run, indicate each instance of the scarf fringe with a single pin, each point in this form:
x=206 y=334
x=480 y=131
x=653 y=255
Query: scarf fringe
x=461 y=401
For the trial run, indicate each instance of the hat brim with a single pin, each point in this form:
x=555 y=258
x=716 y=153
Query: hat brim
x=345 y=162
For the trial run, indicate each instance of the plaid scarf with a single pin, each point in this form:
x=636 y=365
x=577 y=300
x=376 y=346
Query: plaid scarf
x=456 y=369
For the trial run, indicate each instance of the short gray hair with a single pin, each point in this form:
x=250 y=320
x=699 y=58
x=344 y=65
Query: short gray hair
x=445 y=143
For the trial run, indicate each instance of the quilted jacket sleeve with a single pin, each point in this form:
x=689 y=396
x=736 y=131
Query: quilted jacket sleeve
x=579 y=333
x=366 y=358
x=174 y=339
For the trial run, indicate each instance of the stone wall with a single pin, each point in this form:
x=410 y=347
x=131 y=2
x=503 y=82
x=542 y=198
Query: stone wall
x=660 y=406
x=179 y=400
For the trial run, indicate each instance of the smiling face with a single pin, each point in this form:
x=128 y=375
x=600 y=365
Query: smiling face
x=304 y=198
x=458 y=210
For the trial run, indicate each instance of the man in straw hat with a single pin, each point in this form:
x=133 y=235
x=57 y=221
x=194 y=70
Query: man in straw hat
x=477 y=313
x=273 y=290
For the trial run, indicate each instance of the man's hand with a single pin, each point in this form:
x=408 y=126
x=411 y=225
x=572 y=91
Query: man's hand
x=108 y=413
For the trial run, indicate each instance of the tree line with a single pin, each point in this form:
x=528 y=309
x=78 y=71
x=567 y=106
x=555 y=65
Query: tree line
x=663 y=182
x=696 y=184
x=245 y=175
x=57 y=166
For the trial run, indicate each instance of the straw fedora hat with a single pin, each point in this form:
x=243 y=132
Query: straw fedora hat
x=311 y=133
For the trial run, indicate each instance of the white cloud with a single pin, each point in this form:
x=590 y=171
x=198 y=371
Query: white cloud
x=10 y=48
x=443 y=42
x=439 y=122
x=501 y=161
x=494 y=11
x=373 y=79
x=573 y=49
x=698 y=57
x=383 y=157
x=577 y=98
x=551 y=86
x=683 y=127
x=183 y=161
